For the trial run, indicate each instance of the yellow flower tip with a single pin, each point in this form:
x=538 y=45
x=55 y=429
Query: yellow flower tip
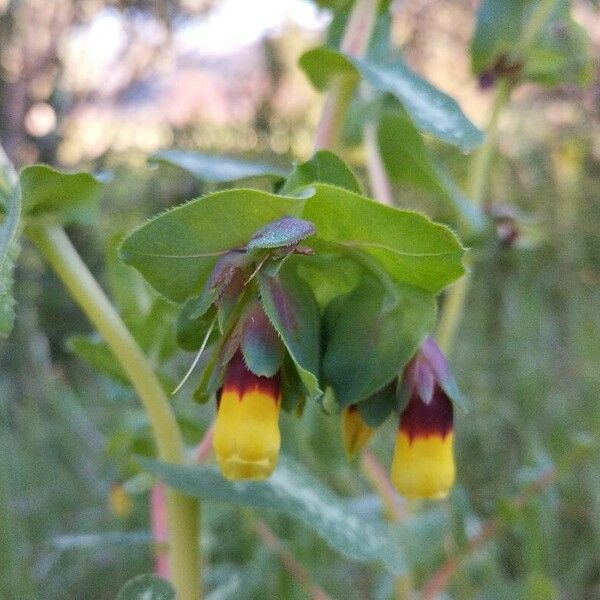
x=246 y=438
x=355 y=432
x=423 y=464
x=423 y=467
x=120 y=503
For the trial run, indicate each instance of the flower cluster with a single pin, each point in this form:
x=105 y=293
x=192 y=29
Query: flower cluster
x=423 y=464
x=267 y=357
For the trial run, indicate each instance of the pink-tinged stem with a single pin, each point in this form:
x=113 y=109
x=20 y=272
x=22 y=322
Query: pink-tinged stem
x=438 y=582
x=158 y=520
x=204 y=448
x=378 y=179
x=289 y=562
x=380 y=481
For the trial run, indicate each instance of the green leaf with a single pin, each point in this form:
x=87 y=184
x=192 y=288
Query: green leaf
x=291 y=307
x=295 y=493
x=191 y=330
x=559 y=54
x=9 y=250
x=407 y=159
x=410 y=247
x=177 y=250
x=93 y=350
x=261 y=347
x=431 y=110
x=66 y=197
x=132 y=294
x=498 y=27
x=287 y=231
x=147 y=587
x=563 y=54
x=215 y=168
x=376 y=409
x=323 y=167
x=368 y=340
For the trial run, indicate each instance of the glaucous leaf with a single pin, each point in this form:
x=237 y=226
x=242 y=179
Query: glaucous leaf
x=9 y=250
x=291 y=307
x=293 y=492
x=431 y=110
x=323 y=167
x=147 y=587
x=369 y=337
x=215 y=168
x=65 y=197
x=104 y=539
x=287 y=231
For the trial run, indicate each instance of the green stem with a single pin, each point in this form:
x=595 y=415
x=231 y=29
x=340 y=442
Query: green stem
x=534 y=26
x=182 y=511
x=354 y=43
x=453 y=307
x=483 y=158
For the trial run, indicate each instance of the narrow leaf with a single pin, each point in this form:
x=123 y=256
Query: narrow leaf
x=215 y=168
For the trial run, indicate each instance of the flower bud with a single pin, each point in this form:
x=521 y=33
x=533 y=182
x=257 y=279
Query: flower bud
x=355 y=432
x=246 y=438
x=423 y=464
x=119 y=501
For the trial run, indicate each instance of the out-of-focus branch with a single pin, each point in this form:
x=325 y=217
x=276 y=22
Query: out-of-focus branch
x=375 y=473
x=438 y=582
x=378 y=179
x=355 y=42
x=454 y=302
x=297 y=571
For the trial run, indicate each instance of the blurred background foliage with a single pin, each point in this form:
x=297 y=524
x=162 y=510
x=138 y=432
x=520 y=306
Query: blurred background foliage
x=100 y=85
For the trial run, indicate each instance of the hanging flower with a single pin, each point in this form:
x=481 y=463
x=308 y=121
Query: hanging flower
x=423 y=464
x=246 y=438
x=355 y=431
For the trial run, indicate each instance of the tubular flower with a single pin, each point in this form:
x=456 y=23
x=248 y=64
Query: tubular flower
x=423 y=464
x=355 y=432
x=246 y=438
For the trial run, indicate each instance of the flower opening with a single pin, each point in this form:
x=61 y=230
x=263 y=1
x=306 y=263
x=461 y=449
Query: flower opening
x=423 y=464
x=246 y=438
